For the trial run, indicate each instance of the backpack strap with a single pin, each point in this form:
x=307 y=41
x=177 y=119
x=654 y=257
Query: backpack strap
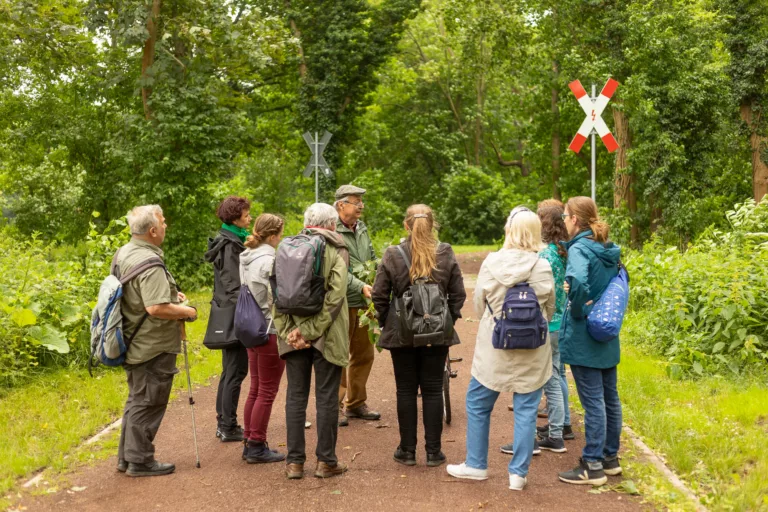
x=113 y=268
x=141 y=268
x=405 y=256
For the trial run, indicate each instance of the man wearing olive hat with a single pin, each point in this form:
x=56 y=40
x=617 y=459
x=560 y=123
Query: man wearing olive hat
x=349 y=204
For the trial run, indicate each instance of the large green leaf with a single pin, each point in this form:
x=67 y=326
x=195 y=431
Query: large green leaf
x=24 y=317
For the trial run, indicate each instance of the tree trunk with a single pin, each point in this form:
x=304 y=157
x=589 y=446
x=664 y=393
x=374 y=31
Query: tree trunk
x=479 y=117
x=148 y=55
x=757 y=143
x=656 y=212
x=302 y=62
x=623 y=191
x=555 y=138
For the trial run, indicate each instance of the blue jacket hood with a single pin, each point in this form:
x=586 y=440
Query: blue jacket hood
x=609 y=253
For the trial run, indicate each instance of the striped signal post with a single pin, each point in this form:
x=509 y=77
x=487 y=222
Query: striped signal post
x=593 y=124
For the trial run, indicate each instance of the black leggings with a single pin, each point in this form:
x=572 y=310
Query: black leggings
x=419 y=368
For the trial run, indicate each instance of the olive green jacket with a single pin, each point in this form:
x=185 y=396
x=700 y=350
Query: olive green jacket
x=328 y=330
x=361 y=251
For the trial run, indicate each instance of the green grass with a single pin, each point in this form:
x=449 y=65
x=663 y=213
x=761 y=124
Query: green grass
x=43 y=422
x=463 y=249
x=712 y=432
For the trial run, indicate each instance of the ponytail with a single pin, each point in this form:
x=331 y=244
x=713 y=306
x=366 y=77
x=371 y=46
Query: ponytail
x=423 y=238
x=585 y=211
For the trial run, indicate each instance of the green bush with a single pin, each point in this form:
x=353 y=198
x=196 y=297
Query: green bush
x=707 y=308
x=46 y=297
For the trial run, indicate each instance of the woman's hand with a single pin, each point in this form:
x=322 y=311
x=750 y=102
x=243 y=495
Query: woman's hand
x=566 y=287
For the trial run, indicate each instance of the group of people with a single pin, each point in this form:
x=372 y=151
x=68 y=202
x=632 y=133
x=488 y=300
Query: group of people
x=561 y=251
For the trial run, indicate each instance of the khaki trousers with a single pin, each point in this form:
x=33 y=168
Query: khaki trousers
x=355 y=377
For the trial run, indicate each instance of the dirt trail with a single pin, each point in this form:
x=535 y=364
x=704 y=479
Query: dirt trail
x=374 y=482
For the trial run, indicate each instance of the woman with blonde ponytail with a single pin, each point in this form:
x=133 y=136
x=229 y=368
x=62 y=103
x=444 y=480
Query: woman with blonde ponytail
x=592 y=262
x=418 y=367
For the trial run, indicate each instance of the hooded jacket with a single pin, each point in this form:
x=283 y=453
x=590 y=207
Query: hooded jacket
x=328 y=330
x=516 y=371
x=255 y=267
x=224 y=252
x=393 y=279
x=591 y=266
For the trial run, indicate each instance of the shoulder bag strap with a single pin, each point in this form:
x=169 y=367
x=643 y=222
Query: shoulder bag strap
x=405 y=256
x=136 y=271
x=113 y=269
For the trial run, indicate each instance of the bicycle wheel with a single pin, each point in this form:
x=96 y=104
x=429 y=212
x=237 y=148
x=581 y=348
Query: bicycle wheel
x=447 y=396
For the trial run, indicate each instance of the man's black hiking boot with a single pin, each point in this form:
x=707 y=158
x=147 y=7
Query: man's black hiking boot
x=152 y=469
x=586 y=473
x=568 y=434
x=435 y=459
x=233 y=435
x=405 y=457
x=611 y=466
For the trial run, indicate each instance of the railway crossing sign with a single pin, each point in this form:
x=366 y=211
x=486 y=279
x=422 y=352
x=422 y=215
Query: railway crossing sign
x=593 y=124
x=317 y=163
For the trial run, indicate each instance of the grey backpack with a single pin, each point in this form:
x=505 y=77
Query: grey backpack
x=422 y=312
x=297 y=282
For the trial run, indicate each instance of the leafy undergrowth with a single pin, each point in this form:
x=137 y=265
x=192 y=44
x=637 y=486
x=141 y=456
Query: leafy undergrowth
x=43 y=422
x=710 y=431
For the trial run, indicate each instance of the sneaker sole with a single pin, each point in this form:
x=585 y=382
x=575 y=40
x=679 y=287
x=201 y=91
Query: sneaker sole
x=434 y=464
x=467 y=477
x=404 y=462
x=613 y=472
x=154 y=473
x=598 y=481
x=321 y=475
x=511 y=452
x=555 y=450
x=256 y=461
x=569 y=437
x=294 y=476
x=363 y=418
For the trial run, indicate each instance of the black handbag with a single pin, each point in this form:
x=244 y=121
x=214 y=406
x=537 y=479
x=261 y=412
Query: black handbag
x=220 y=333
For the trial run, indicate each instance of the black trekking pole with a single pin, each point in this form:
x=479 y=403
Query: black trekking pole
x=189 y=389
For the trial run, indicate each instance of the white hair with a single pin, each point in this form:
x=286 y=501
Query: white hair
x=142 y=218
x=523 y=231
x=320 y=215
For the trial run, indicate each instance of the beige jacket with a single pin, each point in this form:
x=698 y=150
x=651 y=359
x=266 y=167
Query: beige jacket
x=517 y=371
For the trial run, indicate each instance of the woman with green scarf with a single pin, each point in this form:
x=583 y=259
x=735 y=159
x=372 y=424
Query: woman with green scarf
x=224 y=252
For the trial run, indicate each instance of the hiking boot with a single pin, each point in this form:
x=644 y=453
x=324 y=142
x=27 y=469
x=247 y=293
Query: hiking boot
x=553 y=445
x=233 y=435
x=435 y=459
x=543 y=430
x=586 y=473
x=218 y=432
x=122 y=466
x=405 y=457
x=325 y=470
x=464 y=471
x=294 y=471
x=611 y=466
x=259 y=453
x=568 y=434
x=509 y=450
x=517 y=482
x=245 y=449
x=363 y=413
x=343 y=421
x=154 y=468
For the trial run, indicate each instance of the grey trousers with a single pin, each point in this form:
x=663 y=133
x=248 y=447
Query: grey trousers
x=149 y=388
x=298 y=367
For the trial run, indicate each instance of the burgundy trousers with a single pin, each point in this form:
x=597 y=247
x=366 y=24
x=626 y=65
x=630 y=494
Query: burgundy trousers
x=266 y=369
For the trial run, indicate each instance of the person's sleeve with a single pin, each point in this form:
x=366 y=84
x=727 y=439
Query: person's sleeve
x=382 y=289
x=154 y=287
x=549 y=305
x=576 y=275
x=283 y=324
x=481 y=290
x=353 y=283
x=313 y=327
x=456 y=292
x=261 y=291
x=230 y=272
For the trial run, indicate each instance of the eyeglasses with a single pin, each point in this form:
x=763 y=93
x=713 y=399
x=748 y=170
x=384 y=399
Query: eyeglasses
x=356 y=205
x=565 y=215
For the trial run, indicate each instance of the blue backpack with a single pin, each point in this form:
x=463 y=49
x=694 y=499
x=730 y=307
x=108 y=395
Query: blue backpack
x=605 y=319
x=522 y=324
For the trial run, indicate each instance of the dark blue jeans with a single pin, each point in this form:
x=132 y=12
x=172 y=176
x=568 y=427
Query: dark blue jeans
x=602 y=411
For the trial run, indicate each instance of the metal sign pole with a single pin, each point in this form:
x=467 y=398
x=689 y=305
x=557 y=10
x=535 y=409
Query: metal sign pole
x=594 y=98
x=317 y=168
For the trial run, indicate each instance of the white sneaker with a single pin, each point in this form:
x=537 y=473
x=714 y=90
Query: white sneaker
x=517 y=482
x=464 y=471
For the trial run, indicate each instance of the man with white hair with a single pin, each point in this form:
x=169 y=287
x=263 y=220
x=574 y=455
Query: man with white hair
x=320 y=342
x=151 y=314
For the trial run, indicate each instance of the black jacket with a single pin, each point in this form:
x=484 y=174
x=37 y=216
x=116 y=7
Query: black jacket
x=392 y=280
x=224 y=252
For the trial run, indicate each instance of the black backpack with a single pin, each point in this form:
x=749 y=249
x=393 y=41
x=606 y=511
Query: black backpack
x=422 y=312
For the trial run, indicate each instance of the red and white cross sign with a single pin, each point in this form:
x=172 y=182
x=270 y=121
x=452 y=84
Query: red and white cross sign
x=594 y=109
